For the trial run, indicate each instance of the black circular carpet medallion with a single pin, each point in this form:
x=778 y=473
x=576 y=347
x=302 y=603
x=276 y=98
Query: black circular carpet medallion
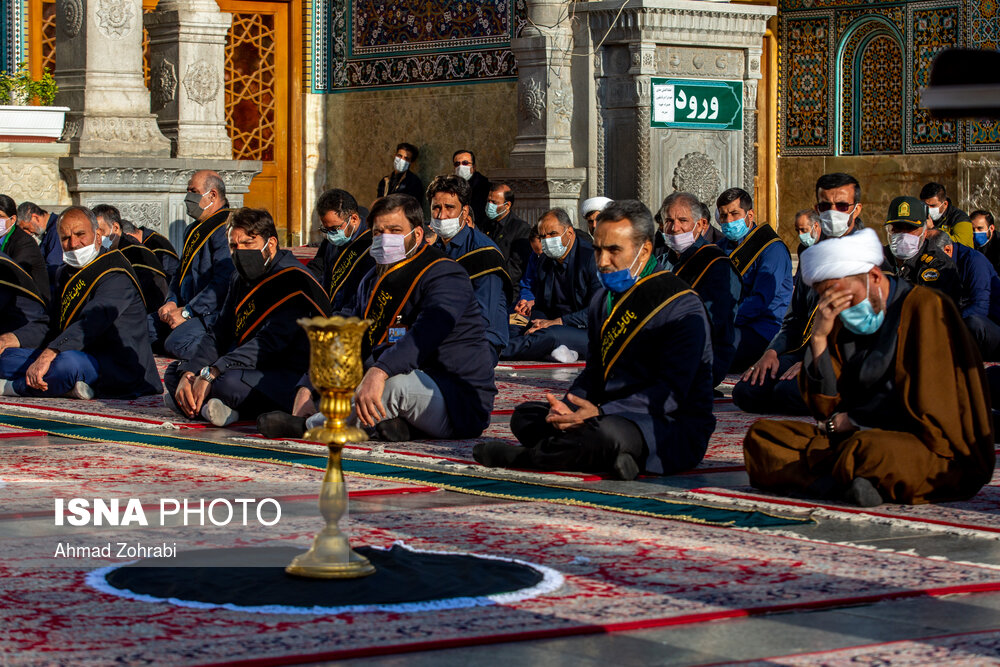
x=255 y=577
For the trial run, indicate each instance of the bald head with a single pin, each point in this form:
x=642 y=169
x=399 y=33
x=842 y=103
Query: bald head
x=212 y=190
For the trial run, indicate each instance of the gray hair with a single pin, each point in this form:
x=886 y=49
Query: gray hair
x=810 y=213
x=79 y=209
x=636 y=213
x=938 y=239
x=694 y=205
x=214 y=182
x=559 y=214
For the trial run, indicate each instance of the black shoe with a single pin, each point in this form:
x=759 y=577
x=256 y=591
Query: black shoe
x=281 y=425
x=625 y=467
x=863 y=493
x=393 y=430
x=496 y=453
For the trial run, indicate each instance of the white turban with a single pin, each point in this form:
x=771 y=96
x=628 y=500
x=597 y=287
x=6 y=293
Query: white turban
x=594 y=204
x=845 y=256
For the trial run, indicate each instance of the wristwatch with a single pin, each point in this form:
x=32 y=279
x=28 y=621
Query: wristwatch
x=186 y=314
x=206 y=374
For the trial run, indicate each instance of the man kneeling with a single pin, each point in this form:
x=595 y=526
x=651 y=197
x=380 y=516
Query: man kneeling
x=251 y=358
x=645 y=396
x=896 y=385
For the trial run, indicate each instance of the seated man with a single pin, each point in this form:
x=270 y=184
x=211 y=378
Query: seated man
x=909 y=252
x=765 y=266
x=707 y=269
x=158 y=243
x=645 y=398
x=880 y=353
x=945 y=215
x=451 y=216
x=20 y=247
x=561 y=284
x=201 y=281
x=251 y=359
x=591 y=208
x=149 y=271
x=429 y=371
x=41 y=225
x=984 y=236
x=25 y=320
x=342 y=259
x=98 y=342
x=508 y=231
x=403 y=180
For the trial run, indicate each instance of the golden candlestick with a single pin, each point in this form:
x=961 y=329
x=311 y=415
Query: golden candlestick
x=335 y=370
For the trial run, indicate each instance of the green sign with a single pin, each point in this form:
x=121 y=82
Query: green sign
x=697 y=105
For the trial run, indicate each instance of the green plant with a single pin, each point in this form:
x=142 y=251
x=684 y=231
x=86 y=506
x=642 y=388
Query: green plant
x=19 y=88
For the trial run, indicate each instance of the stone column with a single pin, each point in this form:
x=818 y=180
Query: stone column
x=643 y=55
x=99 y=72
x=542 y=169
x=187 y=52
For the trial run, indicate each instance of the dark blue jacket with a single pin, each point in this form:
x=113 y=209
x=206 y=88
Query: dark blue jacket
x=977 y=278
x=326 y=257
x=720 y=290
x=662 y=382
x=23 y=316
x=52 y=249
x=445 y=338
x=579 y=280
x=489 y=288
x=767 y=289
x=207 y=281
x=167 y=261
x=111 y=327
x=278 y=343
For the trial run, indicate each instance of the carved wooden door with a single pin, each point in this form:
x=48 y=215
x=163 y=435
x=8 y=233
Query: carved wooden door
x=257 y=99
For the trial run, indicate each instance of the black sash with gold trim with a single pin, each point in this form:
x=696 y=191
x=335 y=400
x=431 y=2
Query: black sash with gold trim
x=747 y=252
x=354 y=260
x=484 y=261
x=284 y=286
x=159 y=244
x=807 y=330
x=81 y=285
x=12 y=276
x=634 y=309
x=197 y=236
x=141 y=257
x=694 y=268
x=391 y=292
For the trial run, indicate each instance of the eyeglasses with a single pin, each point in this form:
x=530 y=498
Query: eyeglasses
x=467 y=163
x=841 y=206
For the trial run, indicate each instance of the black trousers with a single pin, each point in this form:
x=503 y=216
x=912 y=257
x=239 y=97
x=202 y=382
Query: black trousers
x=986 y=332
x=249 y=392
x=592 y=447
x=774 y=396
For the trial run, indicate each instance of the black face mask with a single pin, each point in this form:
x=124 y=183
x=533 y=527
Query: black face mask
x=250 y=263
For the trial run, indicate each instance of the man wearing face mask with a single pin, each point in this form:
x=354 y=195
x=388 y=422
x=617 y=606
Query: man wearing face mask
x=914 y=259
x=983 y=235
x=555 y=293
x=251 y=359
x=465 y=168
x=41 y=225
x=478 y=255
x=508 y=231
x=706 y=268
x=202 y=279
x=428 y=365
x=880 y=353
x=97 y=343
x=147 y=268
x=644 y=400
x=947 y=216
x=342 y=259
x=20 y=247
x=403 y=180
x=765 y=266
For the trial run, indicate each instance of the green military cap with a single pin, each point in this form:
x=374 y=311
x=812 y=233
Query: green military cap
x=907 y=211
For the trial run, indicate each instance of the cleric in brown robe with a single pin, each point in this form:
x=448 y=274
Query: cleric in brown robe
x=895 y=383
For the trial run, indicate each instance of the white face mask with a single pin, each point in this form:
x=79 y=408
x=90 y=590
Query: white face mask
x=80 y=257
x=446 y=228
x=834 y=223
x=679 y=242
x=400 y=164
x=904 y=246
x=553 y=247
x=935 y=213
x=389 y=248
x=463 y=171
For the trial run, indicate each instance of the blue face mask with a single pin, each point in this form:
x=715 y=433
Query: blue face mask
x=337 y=236
x=492 y=211
x=861 y=318
x=619 y=281
x=807 y=239
x=735 y=230
x=980 y=238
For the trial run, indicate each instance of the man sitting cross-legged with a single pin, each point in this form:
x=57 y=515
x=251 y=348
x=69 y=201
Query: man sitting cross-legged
x=895 y=383
x=251 y=359
x=98 y=342
x=24 y=305
x=644 y=399
x=429 y=366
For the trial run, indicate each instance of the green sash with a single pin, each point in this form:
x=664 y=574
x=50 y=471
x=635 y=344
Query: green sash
x=747 y=252
x=391 y=292
x=198 y=236
x=19 y=280
x=484 y=261
x=355 y=259
x=82 y=283
x=633 y=310
x=291 y=284
x=159 y=244
x=694 y=268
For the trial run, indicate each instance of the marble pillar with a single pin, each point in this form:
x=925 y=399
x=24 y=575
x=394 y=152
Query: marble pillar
x=187 y=51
